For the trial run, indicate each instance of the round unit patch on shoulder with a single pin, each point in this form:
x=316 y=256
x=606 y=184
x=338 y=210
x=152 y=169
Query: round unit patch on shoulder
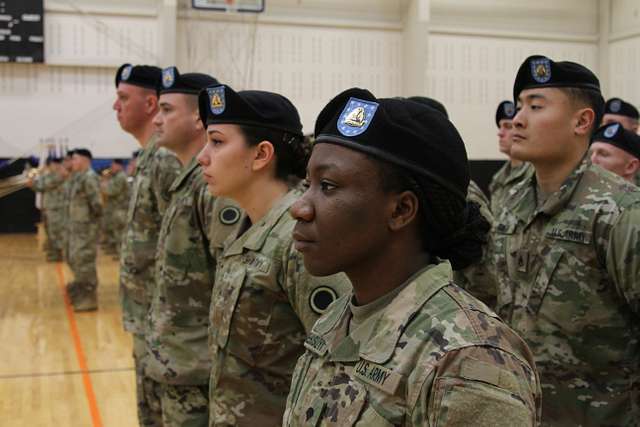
x=229 y=215
x=321 y=298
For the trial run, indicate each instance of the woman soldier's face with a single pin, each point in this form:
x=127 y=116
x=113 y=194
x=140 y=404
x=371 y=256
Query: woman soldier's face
x=343 y=217
x=226 y=160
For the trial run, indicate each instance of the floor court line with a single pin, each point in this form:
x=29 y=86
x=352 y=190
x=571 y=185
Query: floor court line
x=82 y=360
x=63 y=373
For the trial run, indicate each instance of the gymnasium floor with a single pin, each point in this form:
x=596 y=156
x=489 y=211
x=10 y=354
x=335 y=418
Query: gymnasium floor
x=59 y=368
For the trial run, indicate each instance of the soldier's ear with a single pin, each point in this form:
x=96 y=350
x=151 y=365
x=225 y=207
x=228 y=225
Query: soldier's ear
x=403 y=210
x=584 y=121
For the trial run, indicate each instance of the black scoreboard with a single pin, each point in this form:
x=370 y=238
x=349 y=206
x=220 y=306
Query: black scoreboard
x=21 y=31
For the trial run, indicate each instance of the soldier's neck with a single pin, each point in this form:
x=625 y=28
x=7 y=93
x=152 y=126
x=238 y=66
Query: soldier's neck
x=144 y=134
x=551 y=175
x=190 y=150
x=259 y=196
x=515 y=163
x=386 y=270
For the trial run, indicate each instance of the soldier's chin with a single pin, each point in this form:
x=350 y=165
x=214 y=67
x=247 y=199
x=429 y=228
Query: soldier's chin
x=318 y=267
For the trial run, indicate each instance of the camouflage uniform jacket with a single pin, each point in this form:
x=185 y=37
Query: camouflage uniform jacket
x=117 y=191
x=568 y=275
x=263 y=304
x=84 y=199
x=190 y=236
x=51 y=184
x=156 y=169
x=504 y=180
x=479 y=278
x=434 y=356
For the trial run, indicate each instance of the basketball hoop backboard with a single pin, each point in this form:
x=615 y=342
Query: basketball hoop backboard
x=255 y=6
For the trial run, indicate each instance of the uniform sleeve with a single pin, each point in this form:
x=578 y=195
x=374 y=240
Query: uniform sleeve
x=166 y=168
x=113 y=186
x=470 y=387
x=47 y=182
x=92 y=188
x=39 y=183
x=623 y=256
x=209 y=210
x=310 y=296
x=479 y=278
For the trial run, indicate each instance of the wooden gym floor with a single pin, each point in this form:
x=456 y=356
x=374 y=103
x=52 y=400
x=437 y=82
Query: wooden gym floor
x=59 y=368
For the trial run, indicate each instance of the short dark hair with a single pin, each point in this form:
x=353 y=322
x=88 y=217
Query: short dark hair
x=587 y=98
x=292 y=154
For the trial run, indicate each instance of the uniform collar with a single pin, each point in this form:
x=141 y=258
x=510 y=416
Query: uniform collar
x=389 y=326
x=257 y=234
x=524 y=207
x=187 y=171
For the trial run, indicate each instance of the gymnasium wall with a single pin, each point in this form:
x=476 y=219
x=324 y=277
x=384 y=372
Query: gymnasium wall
x=309 y=50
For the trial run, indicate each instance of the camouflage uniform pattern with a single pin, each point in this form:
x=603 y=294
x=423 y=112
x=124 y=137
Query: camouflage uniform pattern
x=190 y=237
x=116 y=191
x=84 y=212
x=568 y=283
x=504 y=180
x=156 y=169
x=433 y=355
x=263 y=304
x=479 y=278
x=66 y=190
x=51 y=184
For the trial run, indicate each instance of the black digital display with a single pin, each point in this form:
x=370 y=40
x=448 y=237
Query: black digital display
x=21 y=30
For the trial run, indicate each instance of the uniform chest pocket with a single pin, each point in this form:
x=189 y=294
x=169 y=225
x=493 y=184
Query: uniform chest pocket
x=80 y=209
x=542 y=281
x=336 y=399
x=133 y=201
x=226 y=293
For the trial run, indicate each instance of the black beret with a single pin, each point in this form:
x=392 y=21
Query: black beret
x=221 y=104
x=506 y=111
x=615 y=134
x=621 y=108
x=189 y=83
x=403 y=132
x=540 y=71
x=83 y=152
x=146 y=76
x=430 y=102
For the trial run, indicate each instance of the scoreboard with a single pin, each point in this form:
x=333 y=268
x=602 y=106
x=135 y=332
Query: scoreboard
x=21 y=31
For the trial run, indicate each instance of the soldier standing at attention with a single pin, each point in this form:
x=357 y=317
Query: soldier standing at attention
x=190 y=237
x=83 y=222
x=116 y=191
x=136 y=105
x=617 y=150
x=566 y=253
x=264 y=302
x=513 y=171
x=407 y=347
x=52 y=184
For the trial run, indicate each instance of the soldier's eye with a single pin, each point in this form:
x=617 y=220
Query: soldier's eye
x=326 y=186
